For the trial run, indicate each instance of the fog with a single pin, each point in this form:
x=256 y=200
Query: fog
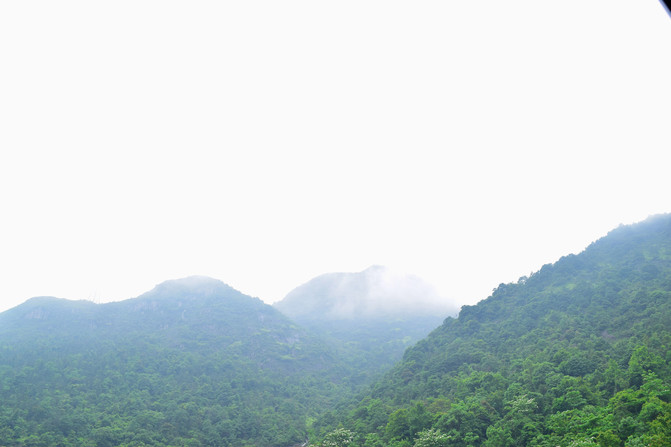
x=265 y=143
x=375 y=292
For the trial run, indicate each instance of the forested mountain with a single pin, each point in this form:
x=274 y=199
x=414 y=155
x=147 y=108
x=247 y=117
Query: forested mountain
x=193 y=362
x=372 y=316
x=577 y=354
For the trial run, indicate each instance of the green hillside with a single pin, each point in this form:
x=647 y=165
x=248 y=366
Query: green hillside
x=577 y=354
x=191 y=363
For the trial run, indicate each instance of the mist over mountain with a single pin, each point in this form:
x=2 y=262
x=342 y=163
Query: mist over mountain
x=201 y=363
x=371 y=317
x=175 y=312
x=576 y=354
x=375 y=293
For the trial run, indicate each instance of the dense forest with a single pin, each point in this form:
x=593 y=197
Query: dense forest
x=191 y=363
x=577 y=354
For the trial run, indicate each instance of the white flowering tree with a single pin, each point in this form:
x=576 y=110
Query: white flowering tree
x=340 y=437
x=431 y=438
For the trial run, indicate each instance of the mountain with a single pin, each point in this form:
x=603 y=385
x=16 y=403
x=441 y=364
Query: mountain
x=192 y=362
x=577 y=354
x=375 y=293
x=372 y=316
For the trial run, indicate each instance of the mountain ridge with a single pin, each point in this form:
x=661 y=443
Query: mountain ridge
x=575 y=354
x=206 y=363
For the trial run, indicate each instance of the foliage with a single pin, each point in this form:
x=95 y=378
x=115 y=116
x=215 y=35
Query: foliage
x=575 y=354
x=431 y=438
x=339 y=437
x=195 y=364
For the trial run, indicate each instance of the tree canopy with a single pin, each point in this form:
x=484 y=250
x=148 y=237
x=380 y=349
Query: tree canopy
x=576 y=354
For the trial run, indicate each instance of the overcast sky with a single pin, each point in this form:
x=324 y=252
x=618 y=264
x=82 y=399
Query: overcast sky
x=266 y=142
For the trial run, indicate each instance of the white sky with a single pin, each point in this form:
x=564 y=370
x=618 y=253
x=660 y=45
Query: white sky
x=266 y=142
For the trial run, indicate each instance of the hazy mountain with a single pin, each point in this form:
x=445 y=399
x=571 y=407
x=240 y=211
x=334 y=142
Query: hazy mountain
x=373 y=315
x=192 y=362
x=375 y=293
x=180 y=314
x=578 y=354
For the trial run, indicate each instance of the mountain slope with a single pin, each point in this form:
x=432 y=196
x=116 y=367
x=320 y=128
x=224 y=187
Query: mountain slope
x=373 y=315
x=576 y=354
x=192 y=362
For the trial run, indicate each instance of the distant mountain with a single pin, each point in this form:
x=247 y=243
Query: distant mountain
x=374 y=315
x=577 y=354
x=375 y=293
x=192 y=362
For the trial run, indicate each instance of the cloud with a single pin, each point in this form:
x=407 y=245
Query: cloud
x=376 y=292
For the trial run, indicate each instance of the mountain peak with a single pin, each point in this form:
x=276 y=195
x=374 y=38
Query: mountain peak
x=202 y=286
x=375 y=292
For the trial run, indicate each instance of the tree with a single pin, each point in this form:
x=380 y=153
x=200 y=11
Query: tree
x=431 y=438
x=340 y=437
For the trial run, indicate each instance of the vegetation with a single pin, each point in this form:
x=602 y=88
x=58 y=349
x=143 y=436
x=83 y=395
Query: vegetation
x=575 y=355
x=193 y=362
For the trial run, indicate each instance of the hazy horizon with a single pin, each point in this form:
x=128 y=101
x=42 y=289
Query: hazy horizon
x=265 y=143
